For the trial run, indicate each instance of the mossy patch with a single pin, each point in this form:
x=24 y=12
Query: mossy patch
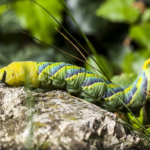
x=39 y=124
x=69 y=116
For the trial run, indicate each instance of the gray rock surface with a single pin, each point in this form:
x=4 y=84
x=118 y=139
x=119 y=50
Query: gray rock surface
x=57 y=121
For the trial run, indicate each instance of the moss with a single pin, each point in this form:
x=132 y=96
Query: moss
x=70 y=116
x=85 y=106
x=50 y=95
x=73 y=118
x=48 y=105
x=63 y=99
x=55 y=106
x=52 y=117
x=39 y=124
x=44 y=146
x=71 y=102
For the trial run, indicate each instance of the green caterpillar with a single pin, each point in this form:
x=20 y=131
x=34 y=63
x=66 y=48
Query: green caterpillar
x=78 y=81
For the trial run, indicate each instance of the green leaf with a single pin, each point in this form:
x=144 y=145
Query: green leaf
x=33 y=18
x=141 y=34
x=146 y=15
x=148 y=129
x=119 y=11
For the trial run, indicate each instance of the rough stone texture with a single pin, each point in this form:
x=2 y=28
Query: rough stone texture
x=58 y=121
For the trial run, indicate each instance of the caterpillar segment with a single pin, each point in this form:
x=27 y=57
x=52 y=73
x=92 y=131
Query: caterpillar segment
x=78 y=81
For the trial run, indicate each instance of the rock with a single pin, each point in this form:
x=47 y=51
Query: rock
x=56 y=120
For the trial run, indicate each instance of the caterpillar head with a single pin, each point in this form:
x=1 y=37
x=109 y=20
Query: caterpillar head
x=7 y=76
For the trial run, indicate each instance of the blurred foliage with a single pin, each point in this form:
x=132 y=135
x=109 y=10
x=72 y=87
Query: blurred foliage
x=140 y=33
x=36 y=20
x=85 y=10
x=119 y=11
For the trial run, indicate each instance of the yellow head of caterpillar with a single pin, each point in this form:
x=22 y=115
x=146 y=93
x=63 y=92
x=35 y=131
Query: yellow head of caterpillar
x=7 y=76
x=20 y=73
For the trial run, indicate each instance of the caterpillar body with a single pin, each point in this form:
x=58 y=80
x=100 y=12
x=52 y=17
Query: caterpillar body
x=78 y=81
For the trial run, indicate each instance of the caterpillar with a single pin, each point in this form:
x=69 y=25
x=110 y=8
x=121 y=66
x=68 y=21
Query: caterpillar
x=78 y=81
